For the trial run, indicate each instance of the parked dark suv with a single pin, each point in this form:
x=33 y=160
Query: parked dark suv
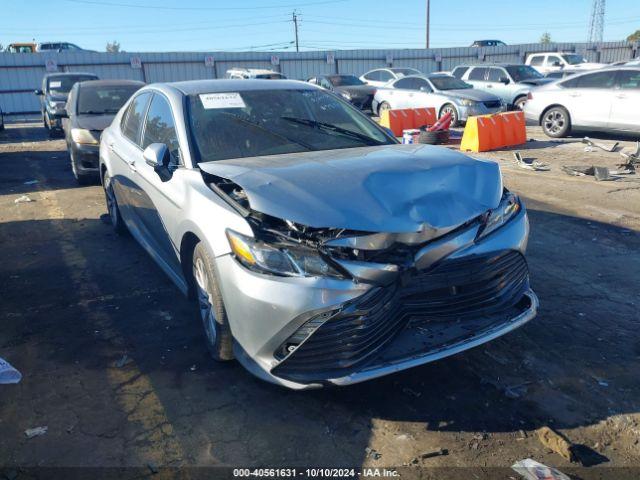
x=53 y=97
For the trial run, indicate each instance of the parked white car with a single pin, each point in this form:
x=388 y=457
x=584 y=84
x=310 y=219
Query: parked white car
x=546 y=62
x=604 y=100
x=444 y=93
x=258 y=73
x=381 y=76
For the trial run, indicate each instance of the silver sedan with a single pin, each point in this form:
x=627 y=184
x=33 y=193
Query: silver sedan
x=318 y=250
x=444 y=93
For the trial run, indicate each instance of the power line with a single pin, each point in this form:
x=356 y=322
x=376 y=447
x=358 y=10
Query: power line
x=157 y=7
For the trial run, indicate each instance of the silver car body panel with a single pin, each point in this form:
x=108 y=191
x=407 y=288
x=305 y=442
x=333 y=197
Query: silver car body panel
x=426 y=198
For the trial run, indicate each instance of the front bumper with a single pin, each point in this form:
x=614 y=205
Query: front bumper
x=86 y=157
x=309 y=332
x=477 y=110
x=362 y=103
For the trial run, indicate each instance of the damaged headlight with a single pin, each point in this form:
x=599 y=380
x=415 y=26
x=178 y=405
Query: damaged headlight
x=291 y=262
x=84 y=137
x=496 y=218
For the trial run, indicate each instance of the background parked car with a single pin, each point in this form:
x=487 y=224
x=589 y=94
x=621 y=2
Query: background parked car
x=25 y=47
x=90 y=109
x=488 y=43
x=382 y=76
x=258 y=73
x=349 y=87
x=53 y=97
x=57 y=47
x=603 y=100
x=445 y=93
x=546 y=62
x=510 y=82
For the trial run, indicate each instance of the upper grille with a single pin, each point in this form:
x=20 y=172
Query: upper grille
x=493 y=104
x=478 y=285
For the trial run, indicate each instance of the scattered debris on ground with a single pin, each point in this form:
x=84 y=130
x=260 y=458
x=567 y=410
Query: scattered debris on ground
x=372 y=453
x=124 y=360
x=36 y=431
x=591 y=145
x=30 y=182
x=557 y=442
x=8 y=374
x=23 y=199
x=530 y=163
x=532 y=470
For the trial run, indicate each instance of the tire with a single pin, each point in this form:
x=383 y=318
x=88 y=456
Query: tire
x=556 y=122
x=448 y=107
x=112 y=205
x=438 y=137
x=383 y=106
x=519 y=102
x=210 y=305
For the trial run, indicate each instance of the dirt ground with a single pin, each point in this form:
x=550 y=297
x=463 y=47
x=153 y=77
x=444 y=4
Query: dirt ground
x=114 y=363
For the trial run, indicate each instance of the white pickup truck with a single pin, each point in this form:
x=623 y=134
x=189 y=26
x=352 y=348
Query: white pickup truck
x=546 y=62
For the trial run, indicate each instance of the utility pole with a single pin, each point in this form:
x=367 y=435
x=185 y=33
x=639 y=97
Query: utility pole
x=428 y=12
x=295 y=24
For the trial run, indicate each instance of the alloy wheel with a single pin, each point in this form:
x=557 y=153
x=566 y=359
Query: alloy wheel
x=205 y=300
x=554 y=122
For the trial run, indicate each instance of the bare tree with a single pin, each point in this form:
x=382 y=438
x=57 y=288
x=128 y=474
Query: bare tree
x=113 y=47
x=545 y=38
x=634 y=37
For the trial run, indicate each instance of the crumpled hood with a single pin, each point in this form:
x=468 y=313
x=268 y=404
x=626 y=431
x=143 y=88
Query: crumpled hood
x=393 y=188
x=94 y=122
x=357 y=90
x=471 y=94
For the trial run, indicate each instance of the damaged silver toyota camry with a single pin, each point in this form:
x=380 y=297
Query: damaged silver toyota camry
x=318 y=250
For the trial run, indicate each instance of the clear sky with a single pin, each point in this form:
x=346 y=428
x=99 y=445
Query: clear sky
x=199 y=25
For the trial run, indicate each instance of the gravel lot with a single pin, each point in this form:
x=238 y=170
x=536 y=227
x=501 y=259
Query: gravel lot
x=115 y=366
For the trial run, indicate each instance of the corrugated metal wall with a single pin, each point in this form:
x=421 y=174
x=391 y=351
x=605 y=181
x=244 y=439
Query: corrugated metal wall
x=20 y=74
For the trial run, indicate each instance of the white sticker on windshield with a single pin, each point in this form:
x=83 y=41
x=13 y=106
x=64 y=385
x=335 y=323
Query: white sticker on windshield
x=222 y=100
x=55 y=84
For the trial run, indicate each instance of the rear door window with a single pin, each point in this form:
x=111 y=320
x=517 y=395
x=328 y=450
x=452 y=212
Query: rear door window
x=478 y=73
x=374 y=76
x=132 y=123
x=458 y=72
x=385 y=76
x=495 y=74
x=596 y=80
x=537 y=60
x=629 y=79
x=554 y=61
x=405 y=84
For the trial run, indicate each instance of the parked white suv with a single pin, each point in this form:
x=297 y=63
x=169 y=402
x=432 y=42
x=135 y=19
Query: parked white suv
x=259 y=73
x=546 y=62
x=606 y=99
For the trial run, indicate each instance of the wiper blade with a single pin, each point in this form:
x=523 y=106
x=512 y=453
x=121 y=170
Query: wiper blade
x=328 y=127
x=270 y=132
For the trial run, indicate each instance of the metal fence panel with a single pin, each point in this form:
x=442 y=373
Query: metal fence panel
x=20 y=74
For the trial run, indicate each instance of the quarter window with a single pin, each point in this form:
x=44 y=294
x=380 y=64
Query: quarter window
x=375 y=75
x=629 y=79
x=160 y=127
x=133 y=119
x=385 y=76
x=537 y=60
x=478 y=73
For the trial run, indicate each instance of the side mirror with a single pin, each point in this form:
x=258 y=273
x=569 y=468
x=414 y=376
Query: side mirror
x=505 y=80
x=38 y=92
x=556 y=64
x=157 y=155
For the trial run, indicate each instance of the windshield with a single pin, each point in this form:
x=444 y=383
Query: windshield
x=271 y=122
x=406 y=71
x=107 y=99
x=344 y=80
x=63 y=84
x=573 y=59
x=448 y=83
x=523 y=72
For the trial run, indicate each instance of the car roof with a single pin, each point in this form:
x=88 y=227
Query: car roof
x=111 y=83
x=194 y=87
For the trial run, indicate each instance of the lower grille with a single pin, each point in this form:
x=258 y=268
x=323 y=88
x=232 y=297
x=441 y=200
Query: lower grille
x=455 y=290
x=493 y=104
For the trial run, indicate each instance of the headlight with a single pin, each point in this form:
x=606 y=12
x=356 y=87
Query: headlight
x=508 y=208
x=467 y=103
x=346 y=95
x=290 y=262
x=82 y=136
x=56 y=105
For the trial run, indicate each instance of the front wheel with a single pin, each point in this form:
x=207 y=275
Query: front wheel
x=448 y=108
x=211 y=306
x=556 y=122
x=382 y=107
x=519 y=103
